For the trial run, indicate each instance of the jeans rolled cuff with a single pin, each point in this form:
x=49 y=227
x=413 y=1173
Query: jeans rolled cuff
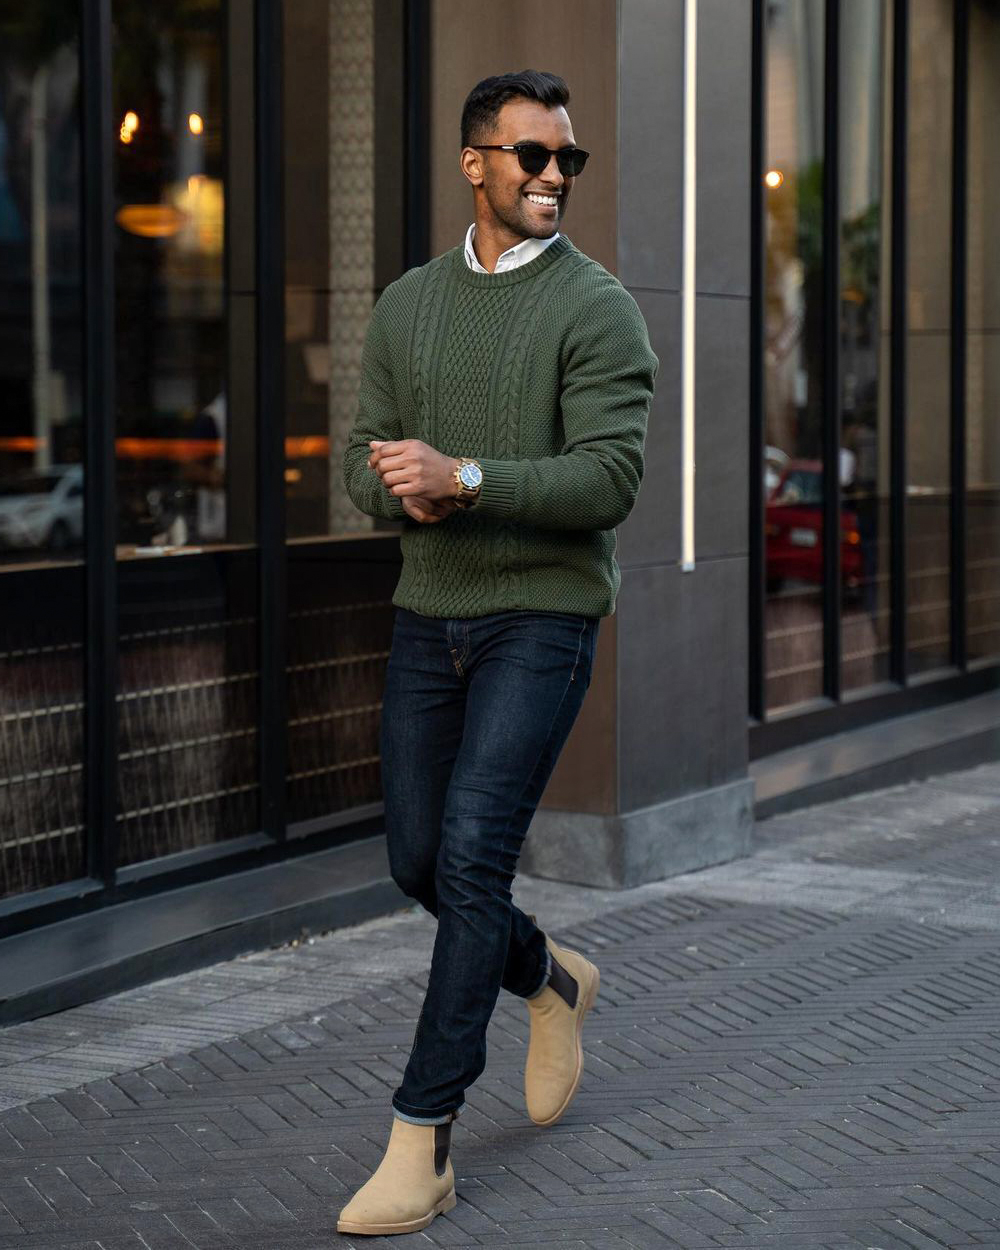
x=443 y=1118
x=545 y=978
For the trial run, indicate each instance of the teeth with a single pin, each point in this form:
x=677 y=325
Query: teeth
x=541 y=199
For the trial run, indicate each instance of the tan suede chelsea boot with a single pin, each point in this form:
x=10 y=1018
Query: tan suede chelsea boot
x=413 y=1183
x=555 y=1052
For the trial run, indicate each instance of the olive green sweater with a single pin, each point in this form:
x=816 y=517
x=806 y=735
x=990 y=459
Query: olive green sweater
x=544 y=374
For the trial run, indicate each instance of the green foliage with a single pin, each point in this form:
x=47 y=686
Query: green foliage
x=859 y=261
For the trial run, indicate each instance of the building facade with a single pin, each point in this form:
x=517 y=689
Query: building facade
x=201 y=200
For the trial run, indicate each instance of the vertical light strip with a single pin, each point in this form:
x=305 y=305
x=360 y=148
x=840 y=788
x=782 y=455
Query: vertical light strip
x=688 y=287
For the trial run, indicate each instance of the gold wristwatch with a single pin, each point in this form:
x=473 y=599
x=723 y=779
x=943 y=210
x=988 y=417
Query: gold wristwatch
x=468 y=482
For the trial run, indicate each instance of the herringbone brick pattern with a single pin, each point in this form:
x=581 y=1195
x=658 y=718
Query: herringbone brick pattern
x=758 y=1075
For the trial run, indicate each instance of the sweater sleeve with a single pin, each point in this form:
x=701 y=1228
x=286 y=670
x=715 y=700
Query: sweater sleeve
x=607 y=386
x=377 y=418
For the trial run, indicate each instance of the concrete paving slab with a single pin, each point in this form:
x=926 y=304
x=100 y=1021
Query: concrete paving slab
x=798 y=1049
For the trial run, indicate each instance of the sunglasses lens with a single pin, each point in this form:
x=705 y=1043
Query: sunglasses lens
x=532 y=158
x=571 y=162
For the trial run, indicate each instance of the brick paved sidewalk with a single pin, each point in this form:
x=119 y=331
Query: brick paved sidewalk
x=799 y=1050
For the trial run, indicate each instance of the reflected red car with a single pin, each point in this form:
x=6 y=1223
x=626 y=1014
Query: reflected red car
x=793 y=528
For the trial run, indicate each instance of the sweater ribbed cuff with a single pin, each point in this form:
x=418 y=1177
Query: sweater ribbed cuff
x=500 y=478
x=395 y=506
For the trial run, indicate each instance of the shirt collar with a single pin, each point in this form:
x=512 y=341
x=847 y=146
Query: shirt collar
x=514 y=256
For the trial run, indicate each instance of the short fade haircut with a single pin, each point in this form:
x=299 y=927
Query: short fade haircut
x=484 y=102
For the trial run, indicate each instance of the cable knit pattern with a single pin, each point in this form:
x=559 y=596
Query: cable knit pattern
x=461 y=417
x=545 y=375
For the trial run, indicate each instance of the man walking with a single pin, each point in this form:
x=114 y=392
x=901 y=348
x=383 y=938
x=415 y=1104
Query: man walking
x=504 y=396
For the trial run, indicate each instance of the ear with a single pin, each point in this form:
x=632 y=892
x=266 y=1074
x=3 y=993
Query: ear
x=471 y=163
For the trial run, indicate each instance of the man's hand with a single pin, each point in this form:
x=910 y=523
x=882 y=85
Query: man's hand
x=410 y=467
x=427 y=511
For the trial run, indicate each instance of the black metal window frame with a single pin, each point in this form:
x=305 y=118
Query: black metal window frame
x=840 y=710
x=106 y=883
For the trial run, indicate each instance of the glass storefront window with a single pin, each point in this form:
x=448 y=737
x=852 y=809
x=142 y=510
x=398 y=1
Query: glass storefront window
x=345 y=230
x=871 y=463
x=928 y=341
x=188 y=668
x=42 y=494
x=982 y=407
x=170 y=329
x=865 y=95
x=793 y=377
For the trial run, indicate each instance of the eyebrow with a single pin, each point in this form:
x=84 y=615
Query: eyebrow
x=544 y=145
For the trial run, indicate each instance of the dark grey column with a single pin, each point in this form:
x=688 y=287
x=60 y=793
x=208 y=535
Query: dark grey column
x=683 y=799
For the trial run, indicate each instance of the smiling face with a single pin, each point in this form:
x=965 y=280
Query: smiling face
x=502 y=188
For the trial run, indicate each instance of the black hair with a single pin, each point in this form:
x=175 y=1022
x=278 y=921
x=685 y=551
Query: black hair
x=486 y=99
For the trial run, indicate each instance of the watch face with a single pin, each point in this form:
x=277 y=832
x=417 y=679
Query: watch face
x=471 y=475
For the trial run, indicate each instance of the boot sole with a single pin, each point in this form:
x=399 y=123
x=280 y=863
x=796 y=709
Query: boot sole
x=408 y=1226
x=587 y=1004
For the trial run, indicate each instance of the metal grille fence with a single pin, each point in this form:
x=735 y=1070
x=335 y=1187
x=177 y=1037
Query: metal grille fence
x=188 y=730
x=41 y=753
x=187 y=733
x=338 y=656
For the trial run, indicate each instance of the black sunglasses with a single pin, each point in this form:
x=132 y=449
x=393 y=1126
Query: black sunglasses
x=534 y=157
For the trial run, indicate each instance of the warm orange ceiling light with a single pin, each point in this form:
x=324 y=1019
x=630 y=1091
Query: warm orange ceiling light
x=195 y=124
x=774 y=178
x=151 y=221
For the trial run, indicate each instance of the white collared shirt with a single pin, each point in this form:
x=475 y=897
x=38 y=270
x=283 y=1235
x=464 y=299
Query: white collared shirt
x=514 y=256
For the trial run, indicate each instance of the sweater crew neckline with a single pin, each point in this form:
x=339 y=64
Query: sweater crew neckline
x=552 y=253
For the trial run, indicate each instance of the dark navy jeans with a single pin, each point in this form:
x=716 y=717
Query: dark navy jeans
x=474 y=716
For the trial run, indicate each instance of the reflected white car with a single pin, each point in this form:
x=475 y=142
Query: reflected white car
x=42 y=508
x=775 y=461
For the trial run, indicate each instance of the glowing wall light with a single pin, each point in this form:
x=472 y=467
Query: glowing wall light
x=130 y=124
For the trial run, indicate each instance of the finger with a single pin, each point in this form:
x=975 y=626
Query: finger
x=381 y=468
x=391 y=477
x=394 y=462
x=404 y=489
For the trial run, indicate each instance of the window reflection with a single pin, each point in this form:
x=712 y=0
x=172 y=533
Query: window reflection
x=41 y=450
x=170 y=331
x=343 y=241
x=928 y=343
x=864 y=340
x=983 y=342
x=793 y=352
x=41 y=444
x=188 y=626
x=343 y=152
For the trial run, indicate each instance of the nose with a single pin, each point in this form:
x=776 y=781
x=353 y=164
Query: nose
x=557 y=179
